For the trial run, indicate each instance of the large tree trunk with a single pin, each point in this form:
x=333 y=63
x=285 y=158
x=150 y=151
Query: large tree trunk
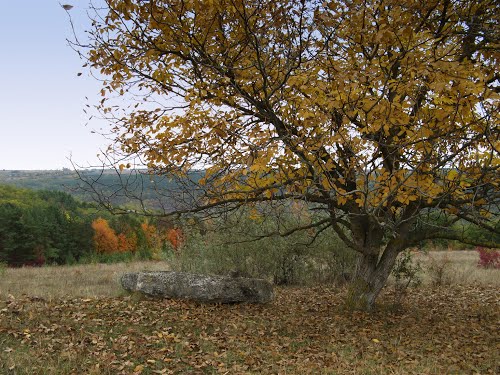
x=370 y=277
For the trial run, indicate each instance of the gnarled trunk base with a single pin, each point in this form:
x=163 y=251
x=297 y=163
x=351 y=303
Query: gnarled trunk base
x=369 y=279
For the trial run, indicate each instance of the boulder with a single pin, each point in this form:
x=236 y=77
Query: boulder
x=203 y=288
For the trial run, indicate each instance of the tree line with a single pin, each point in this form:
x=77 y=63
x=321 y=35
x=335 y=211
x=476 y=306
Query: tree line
x=51 y=227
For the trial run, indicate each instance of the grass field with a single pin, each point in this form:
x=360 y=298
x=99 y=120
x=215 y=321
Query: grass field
x=76 y=320
x=451 y=267
x=90 y=280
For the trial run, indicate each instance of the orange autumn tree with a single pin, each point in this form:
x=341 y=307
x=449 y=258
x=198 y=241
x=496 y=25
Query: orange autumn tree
x=156 y=236
x=127 y=242
x=105 y=239
x=382 y=115
x=176 y=238
x=154 y=239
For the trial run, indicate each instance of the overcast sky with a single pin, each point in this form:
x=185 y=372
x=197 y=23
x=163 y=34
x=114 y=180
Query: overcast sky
x=42 y=99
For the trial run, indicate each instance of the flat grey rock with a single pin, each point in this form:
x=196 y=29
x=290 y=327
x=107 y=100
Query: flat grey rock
x=203 y=288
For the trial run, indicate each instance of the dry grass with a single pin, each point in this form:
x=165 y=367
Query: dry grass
x=90 y=280
x=456 y=267
x=102 y=280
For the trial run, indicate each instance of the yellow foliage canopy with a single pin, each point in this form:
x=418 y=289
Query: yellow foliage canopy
x=383 y=108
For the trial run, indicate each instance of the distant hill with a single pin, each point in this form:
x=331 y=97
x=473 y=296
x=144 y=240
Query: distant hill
x=58 y=180
x=123 y=189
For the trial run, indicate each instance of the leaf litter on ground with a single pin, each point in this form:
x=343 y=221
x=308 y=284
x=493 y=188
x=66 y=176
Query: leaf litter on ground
x=305 y=330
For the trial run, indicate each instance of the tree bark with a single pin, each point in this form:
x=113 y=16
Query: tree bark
x=370 y=277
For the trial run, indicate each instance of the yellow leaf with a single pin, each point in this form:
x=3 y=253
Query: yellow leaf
x=376 y=341
x=452 y=174
x=360 y=202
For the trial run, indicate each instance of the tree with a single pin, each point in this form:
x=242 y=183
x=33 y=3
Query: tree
x=176 y=238
x=105 y=239
x=127 y=242
x=16 y=242
x=41 y=226
x=382 y=114
x=155 y=239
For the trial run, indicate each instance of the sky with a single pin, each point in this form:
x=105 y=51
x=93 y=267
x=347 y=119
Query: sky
x=42 y=123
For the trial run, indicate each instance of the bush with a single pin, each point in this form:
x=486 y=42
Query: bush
x=289 y=260
x=439 y=270
x=406 y=273
x=488 y=258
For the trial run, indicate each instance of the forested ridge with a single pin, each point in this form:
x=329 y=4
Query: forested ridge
x=138 y=188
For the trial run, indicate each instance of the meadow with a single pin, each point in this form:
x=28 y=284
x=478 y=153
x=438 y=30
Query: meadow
x=77 y=320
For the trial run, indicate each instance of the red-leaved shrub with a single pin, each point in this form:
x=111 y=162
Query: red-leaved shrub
x=488 y=258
